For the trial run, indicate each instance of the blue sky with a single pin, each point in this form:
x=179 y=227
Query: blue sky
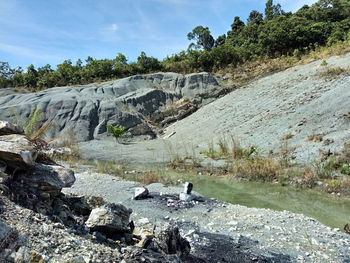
x=49 y=31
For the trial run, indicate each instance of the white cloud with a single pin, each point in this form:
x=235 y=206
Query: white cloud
x=114 y=27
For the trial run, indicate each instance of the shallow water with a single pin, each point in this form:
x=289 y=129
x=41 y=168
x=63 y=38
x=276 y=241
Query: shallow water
x=329 y=210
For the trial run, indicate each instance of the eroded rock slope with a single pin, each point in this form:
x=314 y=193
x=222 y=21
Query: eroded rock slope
x=139 y=103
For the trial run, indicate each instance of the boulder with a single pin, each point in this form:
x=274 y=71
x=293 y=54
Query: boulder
x=7 y=128
x=110 y=218
x=47 y=178
x=17 y=151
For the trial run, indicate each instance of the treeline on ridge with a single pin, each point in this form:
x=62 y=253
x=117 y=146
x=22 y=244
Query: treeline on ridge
x=272 y=34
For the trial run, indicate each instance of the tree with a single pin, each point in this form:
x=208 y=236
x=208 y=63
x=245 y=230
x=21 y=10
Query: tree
x=121 y=59
x=236 y=28
x=31 y=77
x=272 y=10
x=255 y=17
x=66 y=71
x=5 y=70
x=147 y=64
x=220 y=40
x=203 y=38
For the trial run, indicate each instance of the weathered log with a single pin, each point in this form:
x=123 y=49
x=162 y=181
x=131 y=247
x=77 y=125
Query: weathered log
x=7 y=128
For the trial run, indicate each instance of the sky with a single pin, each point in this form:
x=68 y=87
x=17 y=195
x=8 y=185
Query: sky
x=43 y=32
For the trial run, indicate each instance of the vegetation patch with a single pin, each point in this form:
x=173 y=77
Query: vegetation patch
x=332 y=73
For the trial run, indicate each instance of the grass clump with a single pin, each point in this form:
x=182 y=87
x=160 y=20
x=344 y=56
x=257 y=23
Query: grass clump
x=332 y=73
x=258 y=169
x=110 y=167
x=225 y=151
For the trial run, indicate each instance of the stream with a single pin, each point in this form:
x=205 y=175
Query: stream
x=329 y=210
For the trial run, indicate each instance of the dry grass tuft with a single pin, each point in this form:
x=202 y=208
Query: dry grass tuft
x=110 y=167
x=331 y=73
x=258 y=169
x=315 y=138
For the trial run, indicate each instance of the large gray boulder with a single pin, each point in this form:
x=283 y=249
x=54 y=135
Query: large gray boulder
x=85 y=111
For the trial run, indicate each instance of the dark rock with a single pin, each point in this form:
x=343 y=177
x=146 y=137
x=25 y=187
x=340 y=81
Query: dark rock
x=7 y=128
x=3 y=167
x=170 y=242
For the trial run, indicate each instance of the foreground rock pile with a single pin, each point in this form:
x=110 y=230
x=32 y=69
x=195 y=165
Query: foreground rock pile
x=38 y=223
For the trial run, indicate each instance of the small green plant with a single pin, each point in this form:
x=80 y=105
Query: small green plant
x=345 y=168
x=116 y=131
x=323 y=63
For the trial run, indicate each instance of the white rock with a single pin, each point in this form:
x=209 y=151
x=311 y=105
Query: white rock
x=186 y=197
x=141 y=193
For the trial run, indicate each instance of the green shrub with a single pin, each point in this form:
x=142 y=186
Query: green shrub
x=116 y=131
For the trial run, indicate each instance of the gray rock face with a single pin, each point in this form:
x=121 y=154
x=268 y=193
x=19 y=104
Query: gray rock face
x=86 y=110
x=109 y=218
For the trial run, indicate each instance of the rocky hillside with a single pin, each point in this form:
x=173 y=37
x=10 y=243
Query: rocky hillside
x=305 y=107
x=143 y=104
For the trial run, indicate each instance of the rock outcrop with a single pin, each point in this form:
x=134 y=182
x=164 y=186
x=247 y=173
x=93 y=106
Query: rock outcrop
x=31 y=202
x=85 y=111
